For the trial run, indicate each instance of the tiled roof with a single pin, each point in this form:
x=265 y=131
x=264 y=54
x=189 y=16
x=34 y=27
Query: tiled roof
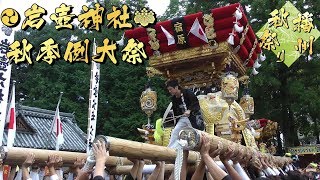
x=39 y=137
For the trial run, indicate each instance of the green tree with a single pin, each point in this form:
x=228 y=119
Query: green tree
x=280 y=92
x=119 y=112
x=285 y=95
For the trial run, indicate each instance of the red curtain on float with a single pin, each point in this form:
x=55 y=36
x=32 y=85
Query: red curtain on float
x=224 y=21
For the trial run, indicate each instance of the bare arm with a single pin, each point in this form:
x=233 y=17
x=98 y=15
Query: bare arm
x=135 y=167
x=232 y=172
x=27 y=163
x=81 y=173
x=101 y=155
x=171 y=177
x=154 y=175
x=209 y=177
x=12 y=172
x=215 y=171
x=199 y=173
x=162 y=170
x=139 y=173
x=52 y=163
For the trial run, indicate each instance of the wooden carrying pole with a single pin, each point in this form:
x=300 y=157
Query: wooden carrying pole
x=138 y=150
x=194 y=142
x=16 y=156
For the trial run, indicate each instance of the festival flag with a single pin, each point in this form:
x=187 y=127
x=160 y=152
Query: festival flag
x=197 y=30
x=11 y=118
x=57 y=126
x=170 y=38
x=93 y=100
x=6 y=38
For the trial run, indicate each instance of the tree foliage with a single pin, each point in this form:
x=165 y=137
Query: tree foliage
x=289 y=96
x=285 y=95
x=119 y=112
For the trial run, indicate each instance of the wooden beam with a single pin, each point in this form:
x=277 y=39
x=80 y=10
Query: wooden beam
x=17 y=155
x=138 y=150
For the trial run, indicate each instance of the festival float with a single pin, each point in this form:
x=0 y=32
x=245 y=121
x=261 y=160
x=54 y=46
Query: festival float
x=206 y=51
x=202 y=51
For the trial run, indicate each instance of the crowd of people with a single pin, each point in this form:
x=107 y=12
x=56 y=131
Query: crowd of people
x=211 y=166
x=214 y=163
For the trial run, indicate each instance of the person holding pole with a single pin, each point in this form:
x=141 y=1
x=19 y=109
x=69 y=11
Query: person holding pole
x=186 y=107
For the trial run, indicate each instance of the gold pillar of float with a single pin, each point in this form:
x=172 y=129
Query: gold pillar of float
x=194 y=142
x=206 y=113
x=209 y=114
x=229 y=89
x=16 y=156
x=138 y=150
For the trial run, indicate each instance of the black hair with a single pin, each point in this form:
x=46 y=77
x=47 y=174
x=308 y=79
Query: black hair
x=295 y=175
x=172 y=83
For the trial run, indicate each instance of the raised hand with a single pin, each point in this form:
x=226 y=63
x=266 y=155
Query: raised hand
x=100 y=152
x=205 y=145
x=227 y=155
x=217 y=151
x=26 y=164
x=257 y=163
x=77 y=165
x=54 y=162
x=101 y=155
x=29 y=160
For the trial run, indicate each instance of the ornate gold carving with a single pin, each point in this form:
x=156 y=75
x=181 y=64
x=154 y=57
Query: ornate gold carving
x=230 y=87
x=251 y=52
x=151 y=72
x=227 y=122
x=244 y=34
x=191 y=53
x=270 y=129
x=144 y=17
x=199 y=66
x=148 y=101
x=153 y=41
x=237 y=62
x=249 y=139
x=244 y=79
x=247 y=104
x=208 y=21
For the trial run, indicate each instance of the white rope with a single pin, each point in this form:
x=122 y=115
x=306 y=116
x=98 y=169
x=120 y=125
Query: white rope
x=178 y=146
x=91 y=161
